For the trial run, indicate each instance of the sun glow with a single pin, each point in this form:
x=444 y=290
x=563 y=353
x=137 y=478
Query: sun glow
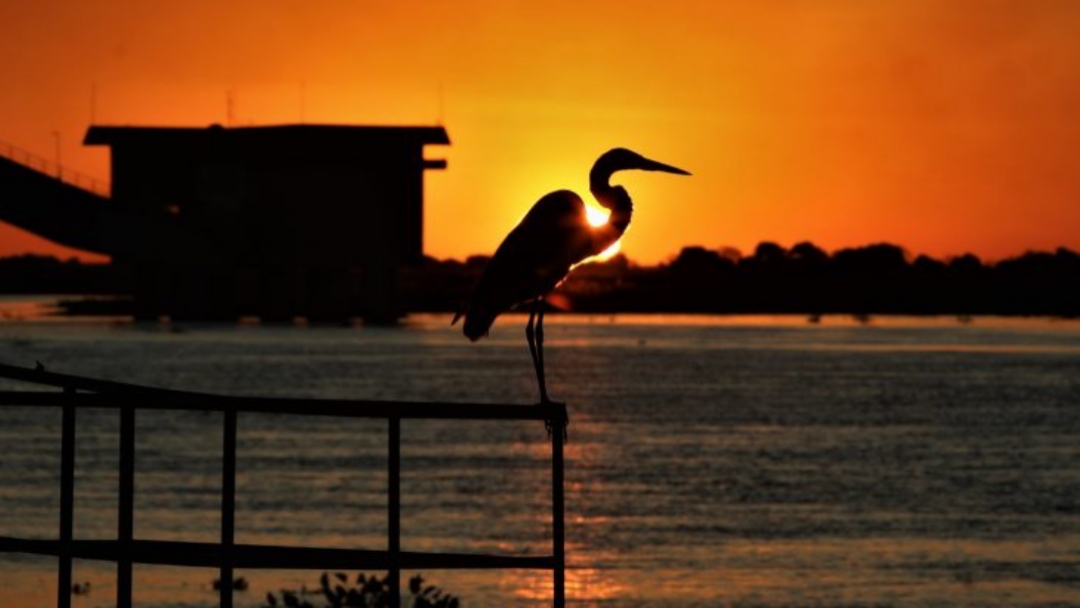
x=608 y=253
x=598 y=217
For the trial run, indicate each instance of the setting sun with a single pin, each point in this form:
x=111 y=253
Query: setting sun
x=598 y=217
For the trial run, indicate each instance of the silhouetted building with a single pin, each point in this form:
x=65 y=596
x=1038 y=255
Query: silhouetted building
x=219 y=223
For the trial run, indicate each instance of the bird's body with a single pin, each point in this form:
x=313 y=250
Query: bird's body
x=535 y=257
x=541 y=250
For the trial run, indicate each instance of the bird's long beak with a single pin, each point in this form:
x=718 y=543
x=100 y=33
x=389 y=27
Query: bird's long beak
x=652 y=165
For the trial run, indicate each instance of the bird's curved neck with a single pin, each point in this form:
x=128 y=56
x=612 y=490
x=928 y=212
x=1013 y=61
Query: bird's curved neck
x=599 y=186
x=614 y=199
x=606 y=194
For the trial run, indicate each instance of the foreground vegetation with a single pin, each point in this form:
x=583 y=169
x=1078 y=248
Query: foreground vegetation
x=335 y=591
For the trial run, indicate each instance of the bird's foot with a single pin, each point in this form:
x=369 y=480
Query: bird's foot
x=560 y=420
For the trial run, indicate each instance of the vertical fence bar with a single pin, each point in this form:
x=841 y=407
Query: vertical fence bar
x=228 y=508
x=394 y=511
x=67 y=499
x=126 y=523
x=558 y=532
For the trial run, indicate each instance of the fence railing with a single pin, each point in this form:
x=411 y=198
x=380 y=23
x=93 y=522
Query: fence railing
x=52 y=169
x=226 y=555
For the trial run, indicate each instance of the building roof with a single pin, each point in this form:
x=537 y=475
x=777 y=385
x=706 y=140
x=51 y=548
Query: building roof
x=278 y=135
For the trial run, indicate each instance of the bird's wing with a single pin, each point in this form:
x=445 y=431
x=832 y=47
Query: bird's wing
x=555 y=231
x=538 y=252
x=532 y=260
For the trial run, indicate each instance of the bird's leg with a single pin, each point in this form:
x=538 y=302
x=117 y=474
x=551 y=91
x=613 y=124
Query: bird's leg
x=564 y=420
x=535 y=333
x=530 y=335
x=540 y=347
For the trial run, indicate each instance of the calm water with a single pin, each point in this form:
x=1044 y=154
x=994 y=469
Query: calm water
x=746 y=461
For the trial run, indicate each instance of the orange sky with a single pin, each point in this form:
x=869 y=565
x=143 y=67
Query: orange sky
x=942 y=125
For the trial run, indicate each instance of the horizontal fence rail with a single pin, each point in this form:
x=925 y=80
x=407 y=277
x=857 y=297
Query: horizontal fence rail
x=209 y=555
x=77 y=391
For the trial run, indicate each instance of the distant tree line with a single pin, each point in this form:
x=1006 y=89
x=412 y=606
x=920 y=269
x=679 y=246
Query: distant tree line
x=875 y=279
x=42 y=274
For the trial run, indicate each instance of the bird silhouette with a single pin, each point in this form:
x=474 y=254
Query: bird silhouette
x=553 y=237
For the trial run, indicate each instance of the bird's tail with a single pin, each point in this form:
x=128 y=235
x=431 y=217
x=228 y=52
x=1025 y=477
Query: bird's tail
x=478 y=320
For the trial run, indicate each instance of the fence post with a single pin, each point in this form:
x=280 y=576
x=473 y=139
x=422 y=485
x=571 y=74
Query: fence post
x=67 y=499
x=558 y=532
x=394 y=511
x=126 y=511
x=228 y=508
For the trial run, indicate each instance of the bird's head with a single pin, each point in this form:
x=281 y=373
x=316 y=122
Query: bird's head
x=620 y=159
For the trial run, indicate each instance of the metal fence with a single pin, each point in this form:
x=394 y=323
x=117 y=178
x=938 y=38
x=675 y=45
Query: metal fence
x=75 y=392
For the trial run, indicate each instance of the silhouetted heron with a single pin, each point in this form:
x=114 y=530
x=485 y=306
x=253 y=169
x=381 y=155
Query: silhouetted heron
x=541 y=250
